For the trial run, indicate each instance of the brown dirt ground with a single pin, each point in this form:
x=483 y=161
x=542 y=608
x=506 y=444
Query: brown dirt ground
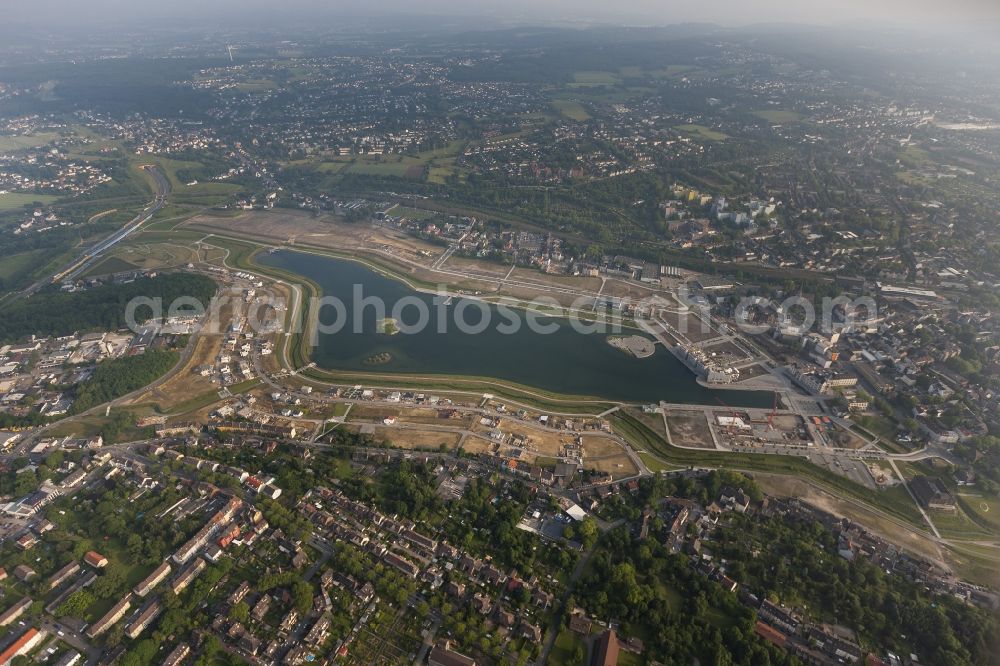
x=572 y=281
x=185 y=384
x=478 y=445
x=619 y=289
x=752 y=371
x=600 y=447
x=542 y=442
x=149 y=256
x=728 y=348
x=617 y=466
x=412 y=439
x=290 y=228
x=846 y=438
x=652 y=421
x=362 y=412
x=484 y=267
x=690 y=325
x=690 y=429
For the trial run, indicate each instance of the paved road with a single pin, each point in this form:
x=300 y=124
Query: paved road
x=326 y=552
x=91 y=255
x=920 y=507
x=581 y=566
x=428 y=642
x=91 y=654
x=186 y=353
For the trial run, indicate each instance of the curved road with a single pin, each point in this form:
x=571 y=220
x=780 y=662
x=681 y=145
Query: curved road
x=86 y=260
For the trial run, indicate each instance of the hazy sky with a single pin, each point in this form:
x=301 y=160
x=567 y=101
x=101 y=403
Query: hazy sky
x=655 y=12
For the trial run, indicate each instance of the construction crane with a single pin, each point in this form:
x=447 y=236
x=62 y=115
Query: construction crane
x=732 y=411
x=730 y=429
x=774 y=412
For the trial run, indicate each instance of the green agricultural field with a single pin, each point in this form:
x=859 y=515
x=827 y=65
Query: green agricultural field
x=671 y=71
x=12 y=143
x=876 y=425
x=109 y=266
x=983 y=510
x=439 y=175
x=147 y=256
x=778 y=116
x=170 y=216
x=656 y=465
x=169 y=166
x=595 y=78
x=408 y=167
x=412 y=213
x=452 y=149
x=568 y=645
x=909 y=470
x=957 y=525
x=702 y=132
x=979 y=563
x=15 y=200
x=629 y=659
x=257 y=85
x=16 y=265
x=913 y=156
x=194 y=404
x=981 y=568
x=570 y=109
x=205 y=193
x=334 y=166
x=914 y=178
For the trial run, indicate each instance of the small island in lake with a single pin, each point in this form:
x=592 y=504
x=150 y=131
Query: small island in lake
x=378 y=359
x=636 y=345
x=388 y=326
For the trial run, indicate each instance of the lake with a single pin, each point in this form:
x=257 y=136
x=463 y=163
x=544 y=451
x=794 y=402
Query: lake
x=564 y=361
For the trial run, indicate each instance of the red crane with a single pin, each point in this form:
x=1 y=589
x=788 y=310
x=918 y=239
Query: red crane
x=732 y=412
x=774 y=412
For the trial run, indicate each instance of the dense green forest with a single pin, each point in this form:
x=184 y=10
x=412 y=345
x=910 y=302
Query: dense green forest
x=681 y=615
x=117 y=85
x=11 y=422
x=116 y=377
x=56 y=313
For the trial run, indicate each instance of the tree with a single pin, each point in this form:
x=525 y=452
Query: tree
x=240 y=612
x=588 y=532
x=110 y=583
x=144 y=652
x=54 y=313
x=25 y=482
x=117 y=377
x=302 y=592
x=76 y=604
x=133 y=546
x=54 y=460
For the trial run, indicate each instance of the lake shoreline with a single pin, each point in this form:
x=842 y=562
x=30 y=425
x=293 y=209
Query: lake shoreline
x=565 y=362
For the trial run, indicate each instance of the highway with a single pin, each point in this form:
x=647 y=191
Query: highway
x=86 y=260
